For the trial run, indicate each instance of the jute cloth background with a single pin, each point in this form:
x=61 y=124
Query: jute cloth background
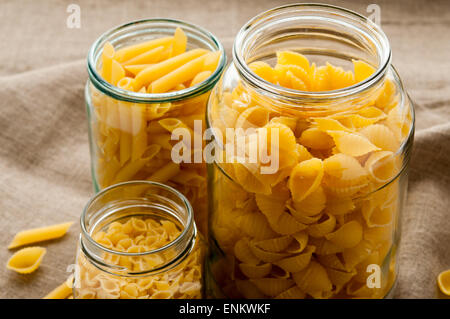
x=44 y=153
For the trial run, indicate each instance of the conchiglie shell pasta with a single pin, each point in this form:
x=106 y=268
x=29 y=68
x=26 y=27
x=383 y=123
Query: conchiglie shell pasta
x=255 y=271
x=352 y=144
x=272 y=286
x=298 y=262
x=26 y=260
x=347 y=236
x=291 y=293
x=313 y=279
x=305 y=178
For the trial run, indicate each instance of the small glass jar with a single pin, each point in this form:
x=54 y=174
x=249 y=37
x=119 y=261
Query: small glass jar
x=127 y=141
x=325 y=223
x=139 y=240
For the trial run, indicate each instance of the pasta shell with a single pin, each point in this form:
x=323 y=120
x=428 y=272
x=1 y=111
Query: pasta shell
x=272 y=286
x=312 y=204
x=296 y=263
x=292 y=58
x=247 y=175
x=376 y=216
x=266 y=256
x=338 y=277
x=339 y=207
x=263 y=70
x=316 y=139
x=286 y=224
x=303 y=153
x=376 y=235
x=255 y=225
x=381 y=136
x=322 y=227
x=355 y=255
x=342 y=171
x=243 y=252
x=290 y=122
x=324 y=247
x=331 y=261
x=275 y=244
x=291 y=293
x=382 y=166
x=362 y=70
x=248 y=290
x=26 y=260
x=300 y=217
x=347 y=236
x=271 y=206
x=253 y=117
x=339 y=78
x=305 y=178
x=313 y=279
x=352 y=144
x=300 y=243
x=255 y=271
x=329 y=124
x=444 y=282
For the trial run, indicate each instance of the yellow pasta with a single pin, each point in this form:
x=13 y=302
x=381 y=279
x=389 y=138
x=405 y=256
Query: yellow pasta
x=63 y=291
x=443 y=281
x=35 y=235
x=138 y=234
x=158 y=70
x=182 y=74
x=26 y=260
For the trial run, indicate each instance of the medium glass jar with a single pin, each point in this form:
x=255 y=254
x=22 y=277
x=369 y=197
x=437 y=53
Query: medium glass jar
x=325 y=222
x=139 y=240
x=128 y=139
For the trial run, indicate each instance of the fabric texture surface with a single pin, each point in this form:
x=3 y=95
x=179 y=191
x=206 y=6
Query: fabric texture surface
x=44 y=151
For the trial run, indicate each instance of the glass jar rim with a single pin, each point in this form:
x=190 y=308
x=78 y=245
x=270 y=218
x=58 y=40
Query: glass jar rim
x=276 y=90
x=190 y=225
x=136 y=97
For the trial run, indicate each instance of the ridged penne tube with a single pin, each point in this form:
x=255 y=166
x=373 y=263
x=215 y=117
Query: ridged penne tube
x=158 y=70
x=165 y=173
x=129 y=52
x=150 y=57
x=184 y=73
x=139 y=132
x=107 y=57
x=31 y=236
x=63 y=291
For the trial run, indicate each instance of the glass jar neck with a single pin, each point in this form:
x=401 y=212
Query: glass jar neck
x=322 y=33
x=142 y=30
x=137 y=199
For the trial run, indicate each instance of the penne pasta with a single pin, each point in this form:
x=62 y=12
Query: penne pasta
x=35 y=235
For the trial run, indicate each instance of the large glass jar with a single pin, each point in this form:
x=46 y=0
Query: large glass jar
x=130 y=132
x=325 y=222
x=139 y=240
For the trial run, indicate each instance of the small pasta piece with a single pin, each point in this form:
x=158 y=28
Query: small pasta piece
x=63 y=291
x=305 y=178
x=443 y=281
x=26 y=260
x=35 y=235
x=352 y=144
